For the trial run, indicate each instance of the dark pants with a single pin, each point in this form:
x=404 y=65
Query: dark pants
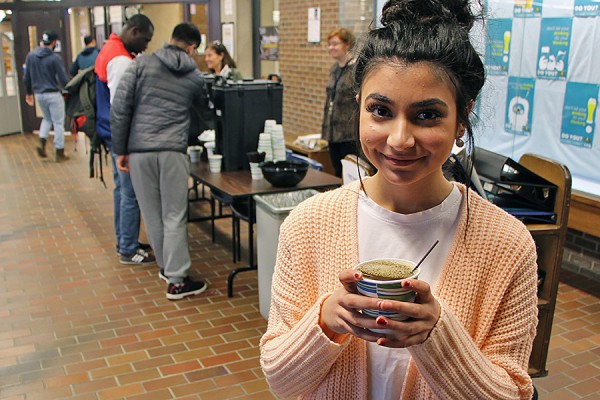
x=337 y=151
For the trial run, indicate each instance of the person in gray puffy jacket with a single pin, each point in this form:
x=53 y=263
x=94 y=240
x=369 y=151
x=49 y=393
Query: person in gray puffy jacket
x=149 y=121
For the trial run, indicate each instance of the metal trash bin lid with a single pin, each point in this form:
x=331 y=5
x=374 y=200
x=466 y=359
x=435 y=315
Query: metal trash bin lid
x=279 y=203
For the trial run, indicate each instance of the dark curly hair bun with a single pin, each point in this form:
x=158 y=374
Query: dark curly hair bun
x=428 y=12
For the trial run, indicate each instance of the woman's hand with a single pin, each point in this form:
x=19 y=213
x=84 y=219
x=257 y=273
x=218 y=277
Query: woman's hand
x=339 y=313
x=424 y=314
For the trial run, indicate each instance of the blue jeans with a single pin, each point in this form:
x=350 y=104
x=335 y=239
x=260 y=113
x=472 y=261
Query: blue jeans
x=127 y=211
x=53 y=109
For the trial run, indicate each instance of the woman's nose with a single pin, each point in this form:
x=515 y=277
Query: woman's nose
x=401 y=136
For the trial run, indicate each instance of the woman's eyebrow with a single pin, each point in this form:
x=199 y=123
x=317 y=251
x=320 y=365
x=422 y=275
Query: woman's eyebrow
x=429 y=103
x=423 y=103
x=380 y=97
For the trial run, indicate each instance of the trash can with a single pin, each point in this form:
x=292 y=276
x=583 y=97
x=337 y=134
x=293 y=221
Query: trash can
x=271 y=210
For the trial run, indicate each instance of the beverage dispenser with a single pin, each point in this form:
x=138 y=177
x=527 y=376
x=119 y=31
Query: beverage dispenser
x=241 y=108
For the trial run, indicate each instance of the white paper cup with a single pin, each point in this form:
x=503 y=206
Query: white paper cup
x=195 y=152
x=255 y=171
x=387 y=290
x=214 y=162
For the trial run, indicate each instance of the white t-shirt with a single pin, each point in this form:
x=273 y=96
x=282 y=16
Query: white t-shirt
x=383 y=233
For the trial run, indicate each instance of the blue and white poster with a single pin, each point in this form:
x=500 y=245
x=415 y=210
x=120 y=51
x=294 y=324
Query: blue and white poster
x=586 y=8
x=497 y=48
x=519 y=105
x=553 y=53
x=527 y=9
x=579 y=114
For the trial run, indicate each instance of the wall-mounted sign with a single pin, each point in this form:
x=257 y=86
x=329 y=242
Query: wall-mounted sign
x=269 y=43
x=579 y=114
x=586 y=8
x=553 y=53
x=528 y=8
x=497 y=48
x=228 y=36
x=519 y=105
x=314 y=25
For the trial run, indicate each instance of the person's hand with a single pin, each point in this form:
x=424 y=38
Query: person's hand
x=123 y=163
x=339 y=313
x=424 y=314
x=29 y=99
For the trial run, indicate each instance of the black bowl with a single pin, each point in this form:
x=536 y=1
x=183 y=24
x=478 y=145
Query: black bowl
x=284 y=173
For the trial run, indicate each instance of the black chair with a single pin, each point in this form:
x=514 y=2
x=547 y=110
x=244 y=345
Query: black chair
x=239 y=211
x=195 y=195
x=218 y=199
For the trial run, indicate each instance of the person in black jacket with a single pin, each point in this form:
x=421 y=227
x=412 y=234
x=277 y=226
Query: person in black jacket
x=340 y=103
x=149 y=122
x=87 y=57
x=45 y=76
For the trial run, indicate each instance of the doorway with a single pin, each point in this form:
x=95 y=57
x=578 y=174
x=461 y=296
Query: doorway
x=28 y=26
x=9 y=96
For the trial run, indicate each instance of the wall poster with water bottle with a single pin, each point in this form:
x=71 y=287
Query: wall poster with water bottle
x=543 y=77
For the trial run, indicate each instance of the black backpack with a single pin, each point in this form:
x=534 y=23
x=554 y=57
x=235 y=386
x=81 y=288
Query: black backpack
x=80 y=110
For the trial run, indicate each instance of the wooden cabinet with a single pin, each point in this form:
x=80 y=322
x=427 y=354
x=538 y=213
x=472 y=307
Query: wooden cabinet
x=549 y=239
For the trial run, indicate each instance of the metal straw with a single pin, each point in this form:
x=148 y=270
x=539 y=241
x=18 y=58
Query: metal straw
x=425 y=256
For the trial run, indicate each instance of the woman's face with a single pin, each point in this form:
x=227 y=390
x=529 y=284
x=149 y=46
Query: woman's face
x=213 y=59
x=408 y=122
x=337 y=48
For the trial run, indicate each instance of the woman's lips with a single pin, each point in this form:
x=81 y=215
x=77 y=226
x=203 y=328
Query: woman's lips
x=400 y=161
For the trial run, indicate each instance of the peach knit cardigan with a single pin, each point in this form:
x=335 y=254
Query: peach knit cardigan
x=480 y=346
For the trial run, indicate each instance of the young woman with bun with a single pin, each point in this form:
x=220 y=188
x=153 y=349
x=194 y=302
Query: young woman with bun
x=472 y=325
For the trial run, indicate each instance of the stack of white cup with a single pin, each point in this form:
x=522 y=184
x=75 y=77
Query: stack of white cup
x=255 y=171
x=269 y=124
x=278 y=143
x=264 y=146
x=214 y=162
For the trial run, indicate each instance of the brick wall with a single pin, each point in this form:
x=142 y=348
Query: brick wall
x=582 y=254
x=304 y=67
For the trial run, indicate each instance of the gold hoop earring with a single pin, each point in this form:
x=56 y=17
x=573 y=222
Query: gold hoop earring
x=460 y=142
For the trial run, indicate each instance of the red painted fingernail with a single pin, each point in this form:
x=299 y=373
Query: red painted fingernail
x=357 y=275
x=406 y=283
x=381 y=321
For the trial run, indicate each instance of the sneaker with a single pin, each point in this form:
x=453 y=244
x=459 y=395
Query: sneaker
x=177 y=291
x=144 y=246
x=140 y=257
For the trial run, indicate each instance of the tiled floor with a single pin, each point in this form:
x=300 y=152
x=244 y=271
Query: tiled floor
x=76 y=324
